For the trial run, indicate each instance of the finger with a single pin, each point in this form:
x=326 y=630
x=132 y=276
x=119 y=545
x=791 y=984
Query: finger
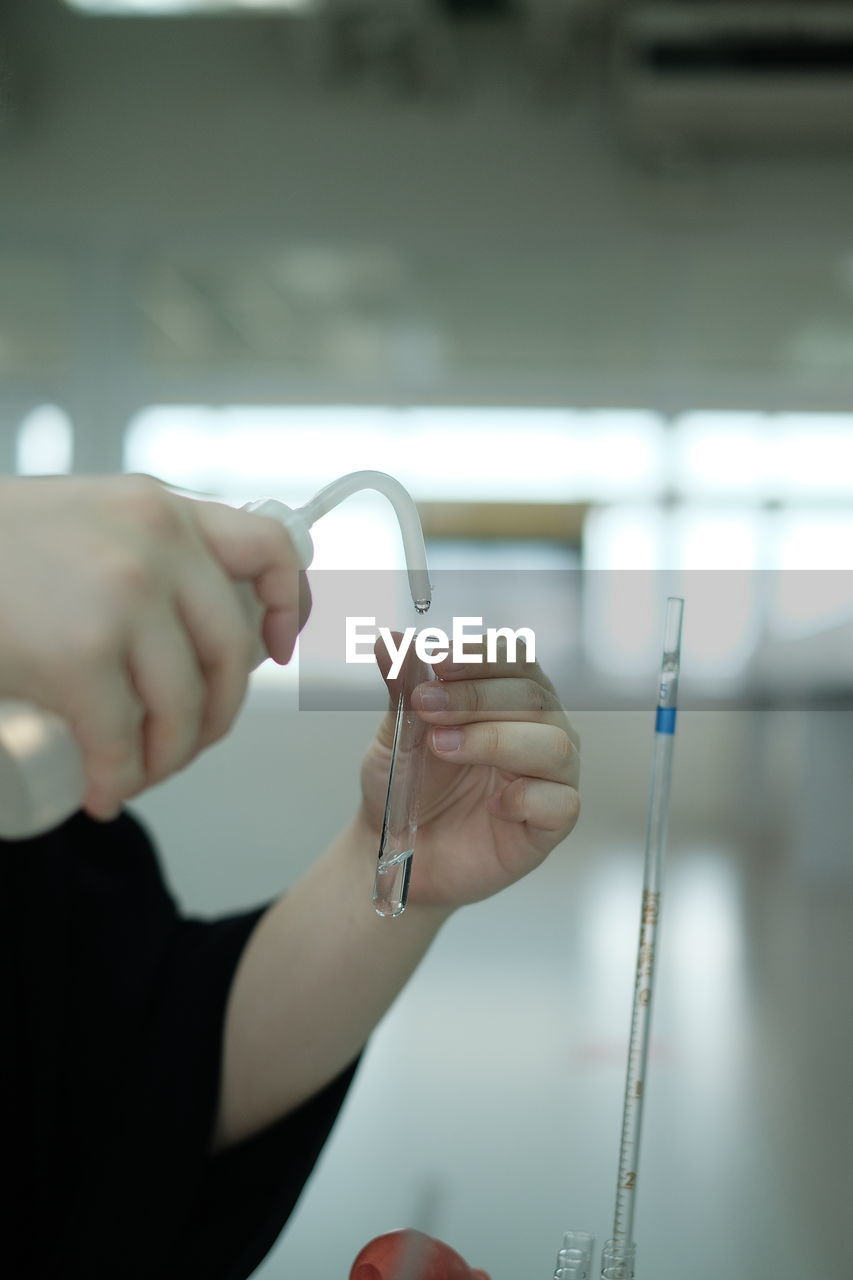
x=504 y=663
x=534 y=750
x=548 y=806
x=501 y=669
x=169 y=683
x=225 y=644
x=466 y=701
x=282 y=626
x=106 y=718
x=256 y=547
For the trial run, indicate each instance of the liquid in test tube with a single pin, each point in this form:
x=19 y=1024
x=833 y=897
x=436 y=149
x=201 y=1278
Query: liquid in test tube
x=400 y=820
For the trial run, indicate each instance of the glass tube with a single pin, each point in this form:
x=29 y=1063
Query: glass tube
x=574 y=1261
x=402 y=801
x=407 y=518
x=617 y=1261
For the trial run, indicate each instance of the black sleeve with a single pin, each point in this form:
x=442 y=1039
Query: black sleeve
x=117 y=1005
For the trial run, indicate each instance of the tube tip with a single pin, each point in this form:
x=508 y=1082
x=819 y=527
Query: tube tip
x=672 y=624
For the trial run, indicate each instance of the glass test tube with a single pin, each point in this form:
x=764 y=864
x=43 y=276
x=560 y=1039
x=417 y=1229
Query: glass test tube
x=574 y=1261
x=400 y=820
x=619 y=1252
x=617 y=1261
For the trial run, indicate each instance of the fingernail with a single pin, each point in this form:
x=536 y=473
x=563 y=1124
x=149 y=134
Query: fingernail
x=447 y=739
x=431 y=697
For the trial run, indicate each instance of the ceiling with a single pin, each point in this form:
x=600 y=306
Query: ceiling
x=226 y=196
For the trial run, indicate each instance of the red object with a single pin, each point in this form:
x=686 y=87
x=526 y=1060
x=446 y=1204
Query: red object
x=411 y=1255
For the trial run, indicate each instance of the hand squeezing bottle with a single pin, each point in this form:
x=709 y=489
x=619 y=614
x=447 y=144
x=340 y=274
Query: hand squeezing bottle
x=42 y=781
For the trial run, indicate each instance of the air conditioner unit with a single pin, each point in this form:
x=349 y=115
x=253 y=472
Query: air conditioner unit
x=703 y=75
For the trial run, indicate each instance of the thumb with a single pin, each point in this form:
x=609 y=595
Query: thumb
x=258 y=548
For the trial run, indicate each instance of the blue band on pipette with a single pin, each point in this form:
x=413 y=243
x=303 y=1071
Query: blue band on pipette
x=665 y=720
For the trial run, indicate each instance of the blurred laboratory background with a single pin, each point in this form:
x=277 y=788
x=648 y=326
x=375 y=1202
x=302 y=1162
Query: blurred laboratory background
x=579 y=273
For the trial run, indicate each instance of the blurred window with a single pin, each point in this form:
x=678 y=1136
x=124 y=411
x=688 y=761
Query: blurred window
x=733 y=494
x=723 y=454
x=814 y=456
x=521 y=455
x=760 y=456
x=45 y=443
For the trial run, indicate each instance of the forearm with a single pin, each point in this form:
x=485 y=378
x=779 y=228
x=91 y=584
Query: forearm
x=317 y=975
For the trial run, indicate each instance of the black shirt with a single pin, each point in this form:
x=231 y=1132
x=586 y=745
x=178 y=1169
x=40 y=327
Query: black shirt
x=113 y=1006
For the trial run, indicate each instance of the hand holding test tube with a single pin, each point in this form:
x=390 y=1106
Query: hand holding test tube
x=500 y=771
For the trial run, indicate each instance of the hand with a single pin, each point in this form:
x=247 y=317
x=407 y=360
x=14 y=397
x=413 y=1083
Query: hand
x=496 y=804
x=119 y=613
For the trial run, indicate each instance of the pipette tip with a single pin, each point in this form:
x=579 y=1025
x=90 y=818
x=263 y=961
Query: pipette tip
x=672 y=625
